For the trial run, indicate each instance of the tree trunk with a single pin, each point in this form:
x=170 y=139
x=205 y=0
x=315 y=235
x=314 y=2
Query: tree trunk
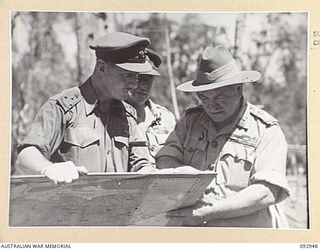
x=171 y=77
x=78 y=56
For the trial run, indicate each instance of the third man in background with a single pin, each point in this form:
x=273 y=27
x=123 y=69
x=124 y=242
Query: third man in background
x=155 y=122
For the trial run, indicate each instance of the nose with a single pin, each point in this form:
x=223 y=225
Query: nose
x=133 y=82
x=213 y=104
x=143 y=86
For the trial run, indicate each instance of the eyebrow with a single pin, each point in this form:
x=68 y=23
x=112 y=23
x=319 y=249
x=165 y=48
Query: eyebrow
x=127 y=73
x=148 y=77
x=227 y=93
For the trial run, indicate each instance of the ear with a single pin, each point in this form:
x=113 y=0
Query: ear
x=239 y=89
x=101 y=66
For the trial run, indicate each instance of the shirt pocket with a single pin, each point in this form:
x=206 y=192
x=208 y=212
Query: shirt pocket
x=194 y=152
x=156 y=139
x=235 y=165
x=81 y=144
x=160 y=133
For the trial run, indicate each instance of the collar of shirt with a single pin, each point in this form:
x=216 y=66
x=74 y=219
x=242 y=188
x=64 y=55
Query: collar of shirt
x=152 y=117
x=148 y=103
x=90 y=97
x=244 y=121
x=151 y=105
x=239 y=120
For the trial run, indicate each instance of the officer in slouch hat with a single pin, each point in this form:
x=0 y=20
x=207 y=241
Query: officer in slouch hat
x=241 y=142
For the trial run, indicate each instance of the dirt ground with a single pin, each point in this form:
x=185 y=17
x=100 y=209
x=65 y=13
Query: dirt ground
x=296 y=207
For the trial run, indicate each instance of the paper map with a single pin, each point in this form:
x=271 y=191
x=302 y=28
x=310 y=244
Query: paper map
x=103 y=199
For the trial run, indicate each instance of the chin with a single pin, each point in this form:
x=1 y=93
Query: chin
x=218 y=118
x=139 y=100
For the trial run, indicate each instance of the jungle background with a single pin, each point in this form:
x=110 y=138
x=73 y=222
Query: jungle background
x=49 y=53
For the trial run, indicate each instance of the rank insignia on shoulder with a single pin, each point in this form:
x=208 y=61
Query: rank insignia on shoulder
x=68 y=98
x=262 y=115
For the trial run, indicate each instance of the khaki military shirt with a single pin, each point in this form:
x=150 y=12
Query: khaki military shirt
x=72 y=126
x=250 y=149
x=155 y=129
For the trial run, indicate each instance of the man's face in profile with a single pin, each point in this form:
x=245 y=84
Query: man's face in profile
x=142 y=93
x=221 y=103
x=115 y=82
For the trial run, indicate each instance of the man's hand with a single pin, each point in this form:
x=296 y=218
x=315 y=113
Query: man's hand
x=178 y=170
x=148 y=170
x=31 y=161
x=184 y=170
x=63 y=172
x=190 y=216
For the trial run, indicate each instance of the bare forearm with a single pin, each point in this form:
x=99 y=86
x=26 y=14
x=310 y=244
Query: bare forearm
x=164 y=162
x=247 y=201
x=138 y=159
x=31 y=161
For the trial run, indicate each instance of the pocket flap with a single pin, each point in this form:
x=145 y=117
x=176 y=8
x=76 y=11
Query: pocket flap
x=161 y=138
x=195 y=144
x=238 y=151
x=81 y=136
x=122 y=139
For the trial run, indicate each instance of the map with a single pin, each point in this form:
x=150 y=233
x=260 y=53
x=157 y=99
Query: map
x=109 y=199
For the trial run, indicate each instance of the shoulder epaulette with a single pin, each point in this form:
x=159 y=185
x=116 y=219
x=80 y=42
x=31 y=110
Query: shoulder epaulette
x=160 y=108
x=130 y=111
x=68 y=98
x=262 y=115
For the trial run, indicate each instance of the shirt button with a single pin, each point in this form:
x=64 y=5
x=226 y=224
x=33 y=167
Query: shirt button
x=214 y=144
x=211 y=167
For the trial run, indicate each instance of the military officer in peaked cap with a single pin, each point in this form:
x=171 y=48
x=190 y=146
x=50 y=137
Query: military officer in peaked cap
x=88 y=128
x=234 y=138
x=155 y=122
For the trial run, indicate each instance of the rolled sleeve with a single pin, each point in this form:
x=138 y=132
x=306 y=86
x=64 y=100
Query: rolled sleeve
x=138 y=155
x=173 y=146
x=47 y=129
x=270 y=163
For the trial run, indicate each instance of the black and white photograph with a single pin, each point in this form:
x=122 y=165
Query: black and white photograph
x=159 y=119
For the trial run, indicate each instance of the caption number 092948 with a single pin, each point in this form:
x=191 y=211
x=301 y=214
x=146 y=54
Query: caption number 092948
x=308 y=246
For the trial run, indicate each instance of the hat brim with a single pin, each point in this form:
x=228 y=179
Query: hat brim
x=241 y=77
x=152 y=72
x=136 y=67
